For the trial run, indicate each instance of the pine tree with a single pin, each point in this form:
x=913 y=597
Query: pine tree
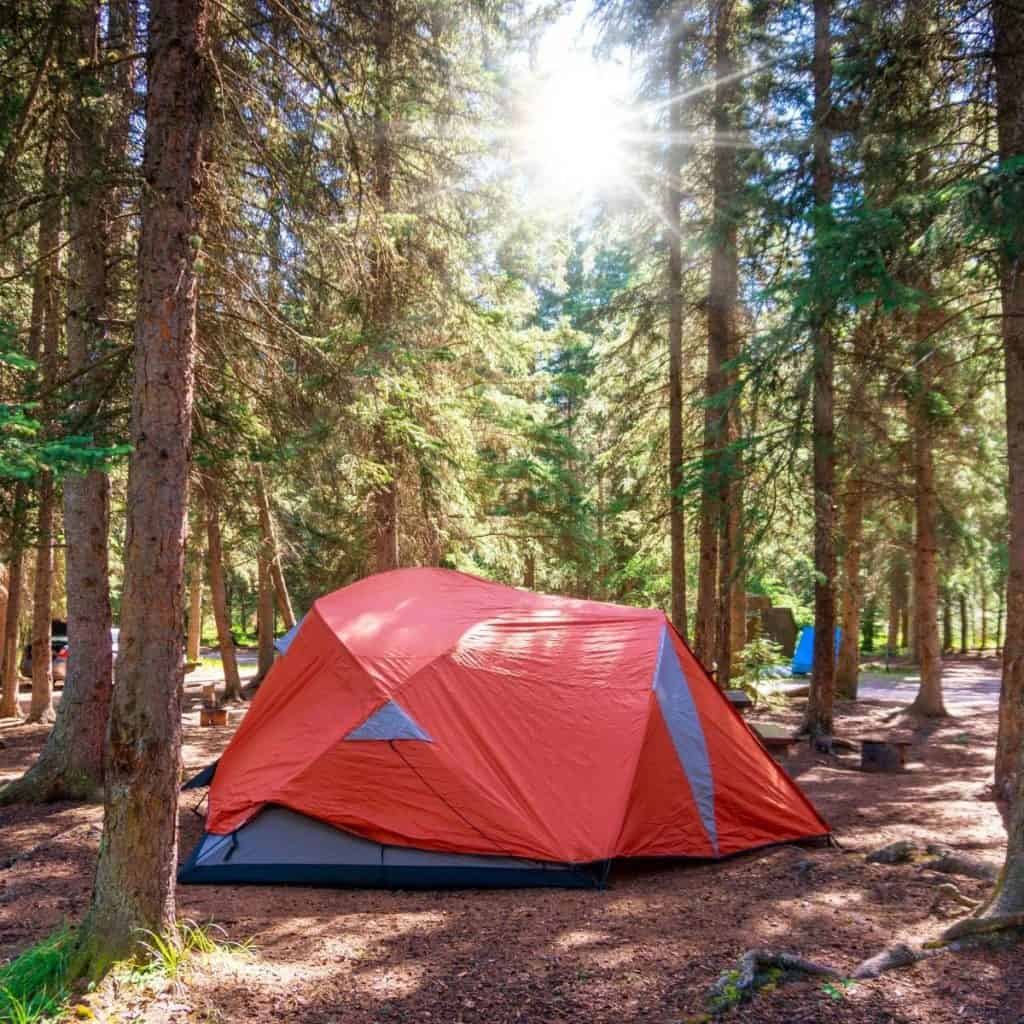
x=134 y=887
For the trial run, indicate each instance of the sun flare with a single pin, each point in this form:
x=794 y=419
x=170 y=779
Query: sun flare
x=573 y=136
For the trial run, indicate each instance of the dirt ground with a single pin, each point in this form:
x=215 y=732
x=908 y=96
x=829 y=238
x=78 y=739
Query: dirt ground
x=644 y=950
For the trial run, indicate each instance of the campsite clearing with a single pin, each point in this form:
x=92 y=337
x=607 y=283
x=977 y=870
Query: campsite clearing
x=645 y=950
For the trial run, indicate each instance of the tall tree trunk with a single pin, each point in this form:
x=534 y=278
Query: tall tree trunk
x=906 y=642
x=265 y=618
x=737 y=587
x=48 y=286
x=218 y=593
x=70 y=766
x=9 y=705
x=892 y=636
x=269 y=531
x=983 y=600
x=1008 y=32
x=673 y=229
x=947 y=621
x=1008 y=37
x=382 y=302
x=1000 y=612
x=134 y=886
x=928 y=701
x=818 y=716
x=41 y=704
x=848 y=666
x=4 y=581
x=723 y=340
x=193 y=651
x=962 y=598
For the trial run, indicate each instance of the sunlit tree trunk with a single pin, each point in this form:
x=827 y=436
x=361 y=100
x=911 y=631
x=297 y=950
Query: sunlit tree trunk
x=47 y=284
x=9 y=705
x=4 y=579
x=928 y=701
x=947 y=621
x=193 y=651
x=1007 y=900
x=1000 y=612
x=673 y=229
x=218 y=593
x=723 y=341
x=265 y=614
x=269 y=533
x=1008 y=28
x=892 y=636
x=848 y=666
x=382 y=299
x=818 y=716
x=737 y=585
x=134 y=884
x=71 y=763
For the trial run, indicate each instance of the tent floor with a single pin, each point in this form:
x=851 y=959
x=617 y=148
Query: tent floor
x=280 y=846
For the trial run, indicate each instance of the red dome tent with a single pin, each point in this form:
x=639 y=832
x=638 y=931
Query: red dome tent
x=425 y=727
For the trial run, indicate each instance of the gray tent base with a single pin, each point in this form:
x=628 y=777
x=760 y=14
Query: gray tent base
x=280 y=846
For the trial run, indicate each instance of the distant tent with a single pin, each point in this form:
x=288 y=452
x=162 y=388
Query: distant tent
x=428 y=728
x=282 y=644
x=803 y=659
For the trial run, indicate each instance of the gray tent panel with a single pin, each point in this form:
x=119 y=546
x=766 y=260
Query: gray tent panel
x=280 y=845
x=680 y=714
x=389 y=723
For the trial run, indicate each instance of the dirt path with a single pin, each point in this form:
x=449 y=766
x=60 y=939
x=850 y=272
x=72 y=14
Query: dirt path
x=645 y=950
x=967 y=684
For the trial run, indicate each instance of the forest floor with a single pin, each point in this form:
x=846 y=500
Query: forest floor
x=645 y=950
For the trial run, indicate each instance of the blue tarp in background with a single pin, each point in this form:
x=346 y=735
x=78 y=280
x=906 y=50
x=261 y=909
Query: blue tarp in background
x=804 y=656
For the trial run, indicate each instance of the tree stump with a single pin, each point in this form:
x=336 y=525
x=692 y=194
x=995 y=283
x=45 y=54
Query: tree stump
x=881 y=754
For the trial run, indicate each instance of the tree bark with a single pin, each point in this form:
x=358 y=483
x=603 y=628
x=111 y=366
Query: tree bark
x=818 y=716
x=737 y=585
x=848 y=666
x=947 y=621
x=269 y=530
x=673 y=228
x=134 y=886
x=1007 y=900
x=218 y=593
x=983 y=601
x=40 y=708
x=9 y=704
x=70 y=766
x=1000 y=611
x=265 y=618
x=962 y=599
x=928 y=701
x=48 y=284
x=1008 y=34
x=723 y=341
x=4 y=580
x=382 y=311
x=892 y=637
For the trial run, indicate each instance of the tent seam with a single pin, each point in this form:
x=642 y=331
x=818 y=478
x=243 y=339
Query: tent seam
x=732 y=710
x=640 y=747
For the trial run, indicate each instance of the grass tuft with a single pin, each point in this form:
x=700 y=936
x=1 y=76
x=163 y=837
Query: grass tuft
x=33 y=986
x=168 y=956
